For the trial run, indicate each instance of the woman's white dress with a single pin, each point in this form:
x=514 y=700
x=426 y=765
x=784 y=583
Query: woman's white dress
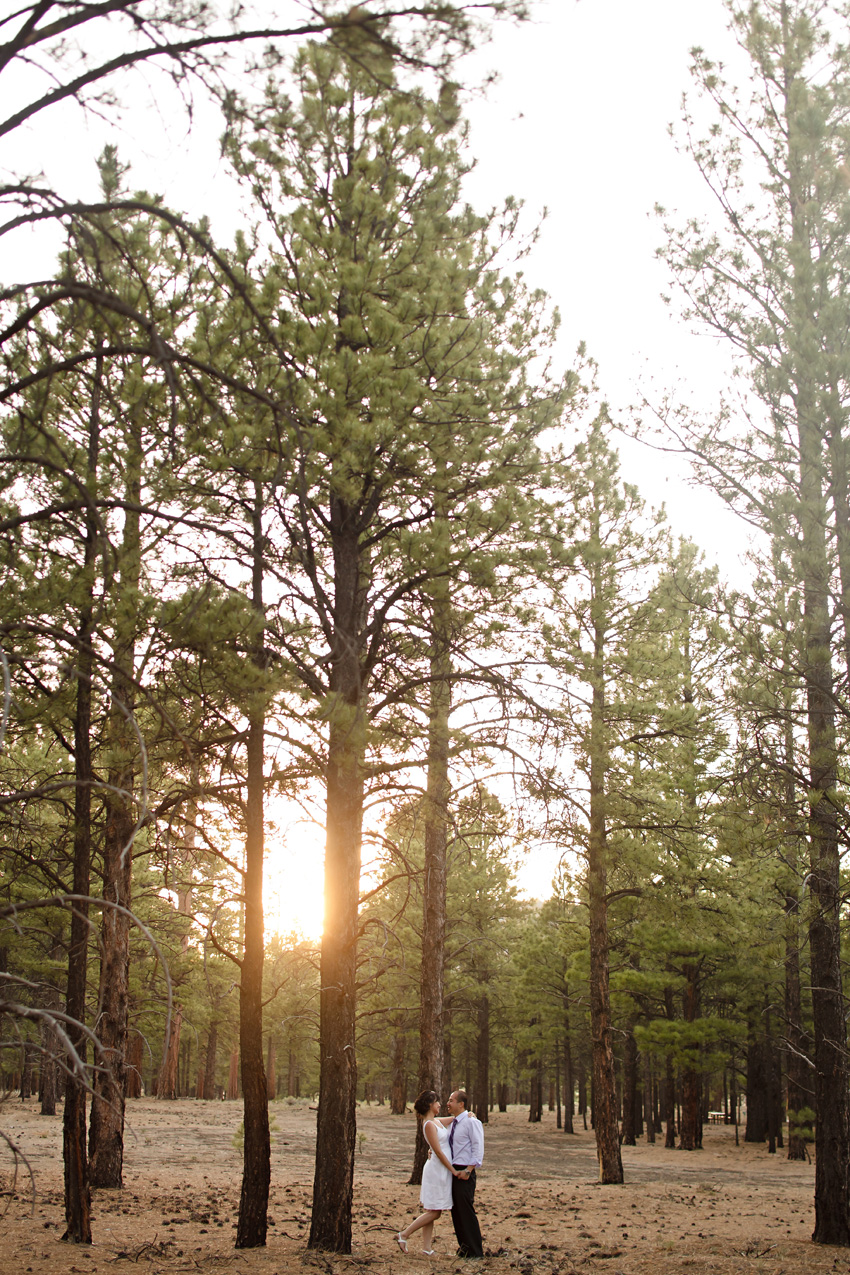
x=436 y=1190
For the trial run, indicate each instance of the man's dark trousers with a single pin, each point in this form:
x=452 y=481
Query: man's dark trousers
x=464 y=1217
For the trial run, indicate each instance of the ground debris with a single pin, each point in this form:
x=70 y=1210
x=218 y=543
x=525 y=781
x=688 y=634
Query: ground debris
x=755 y=1249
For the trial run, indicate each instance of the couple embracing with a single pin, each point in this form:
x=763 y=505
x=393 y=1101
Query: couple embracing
x=448 y=1178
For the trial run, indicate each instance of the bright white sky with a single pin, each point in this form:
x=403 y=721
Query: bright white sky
x=577 y=123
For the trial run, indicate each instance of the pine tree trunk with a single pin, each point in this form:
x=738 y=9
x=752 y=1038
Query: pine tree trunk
x=398 y=1082
x=336 y=1127
x=26 y=1072
x=233 y=1076
x=669 y=1080
x=482 y=1076
x=832 y=1102
x=106 y=1128
x=166 y=1085
x=649 y=1112
x=133 y=1070
x=336 y=1132
x=839 y=492
x=690 y=1126
x=210 y=1061
x=77 y=1185
x=50 y=1044
x=799 y=1089
x=604 y=1082
x=252 y=1223
x=569 y=1097
x=535 y=1105
x=630 y=1070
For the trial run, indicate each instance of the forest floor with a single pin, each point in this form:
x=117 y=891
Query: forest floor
x=718 y=1211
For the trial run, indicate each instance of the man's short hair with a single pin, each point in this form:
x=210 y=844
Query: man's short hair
x=460 y=1095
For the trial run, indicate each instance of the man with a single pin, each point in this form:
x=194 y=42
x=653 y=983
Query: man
x=466 y=1145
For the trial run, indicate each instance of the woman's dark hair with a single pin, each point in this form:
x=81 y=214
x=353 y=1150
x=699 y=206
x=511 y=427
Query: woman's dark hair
x=422 y=1105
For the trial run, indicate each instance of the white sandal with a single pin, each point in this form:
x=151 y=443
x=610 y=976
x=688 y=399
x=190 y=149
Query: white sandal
x=401 y=1242
x=429 y=1252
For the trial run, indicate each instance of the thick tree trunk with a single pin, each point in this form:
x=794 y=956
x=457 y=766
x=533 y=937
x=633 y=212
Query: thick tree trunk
x=106 y=1128
x=252 y=1223
x=77 y=1185
x=604 y=1082
x=336 y=1131
x=690 y=1127
x=757 y=1088
x=106 y=1131
x=336 y=1128
x=832 y=1101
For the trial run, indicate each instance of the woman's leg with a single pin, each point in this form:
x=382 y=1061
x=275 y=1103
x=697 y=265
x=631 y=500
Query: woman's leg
x=425 y=1219
x=428 y=1234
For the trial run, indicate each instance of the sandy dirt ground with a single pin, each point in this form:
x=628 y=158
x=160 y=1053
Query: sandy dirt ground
x=718 y=1211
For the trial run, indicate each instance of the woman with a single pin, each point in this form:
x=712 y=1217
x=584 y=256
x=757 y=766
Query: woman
x=436 y=1191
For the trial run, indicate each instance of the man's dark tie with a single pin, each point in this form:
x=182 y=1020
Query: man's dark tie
x=452 y=1136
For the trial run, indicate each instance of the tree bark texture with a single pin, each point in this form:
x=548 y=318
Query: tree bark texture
x=252 y=1222
x=832 y=1103
x=604 y=1080
x=166 y=1085
x=77 y=1184
x=208 y=1090
x=233 y=1075
x=336 y=1131
x=398 y=1081
x=133 y=1070
x=336 y=1127
x=690 y=1126
x=106 y=1129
